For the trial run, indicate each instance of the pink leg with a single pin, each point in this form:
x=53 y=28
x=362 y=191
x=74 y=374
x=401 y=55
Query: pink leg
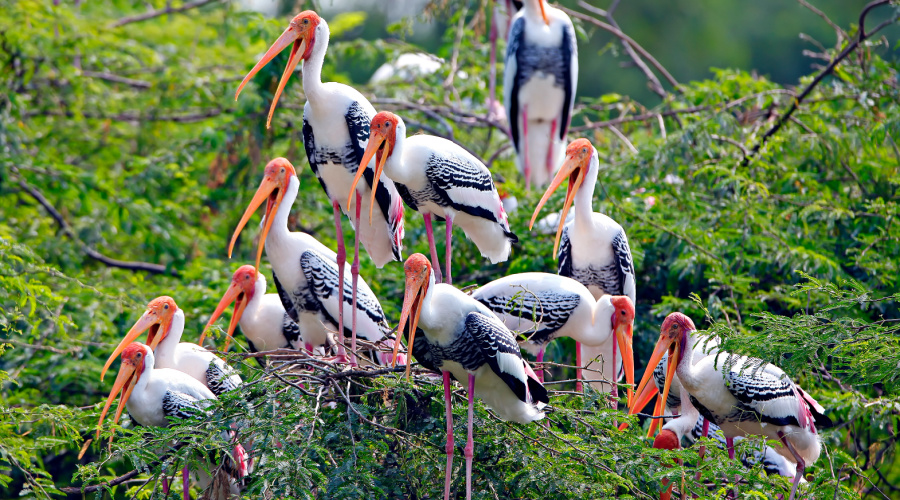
x=614 y=390
x=550 y=149
x=435 y=265
x=449 y=279
x=354 y=273
x=729 y=443
x=524 y=139
x=578 y=387
x=540 y=359
x=185 y=483
x=702 y=448
x=449 y=447
x=165 y=485
x=341 y=260
x=801 y=464
x=470 y=443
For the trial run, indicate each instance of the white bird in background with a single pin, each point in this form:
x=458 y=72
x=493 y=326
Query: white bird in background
x=743 y=396
x=335 y=133
x=542 y=307
x=464 y=339
x=165 y=323
x=438 y=177
x=153 y=395
x=539 y=83
x=262 y=317
x=305 y=271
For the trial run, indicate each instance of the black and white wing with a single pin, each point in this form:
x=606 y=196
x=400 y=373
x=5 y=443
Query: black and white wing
x=564 y=256
x=287 y=300
x=511 y=81
x=182 y=405
x=290 y=330
x=499 y=348
x=221 y=378
x=547 y=310
x=309 y=144
x=764 y=393
x=569 y=61
x=624 y=266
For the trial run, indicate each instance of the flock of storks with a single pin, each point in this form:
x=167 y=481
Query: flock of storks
x=370 y=169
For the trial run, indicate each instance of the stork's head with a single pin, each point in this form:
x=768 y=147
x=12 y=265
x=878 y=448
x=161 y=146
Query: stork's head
x=134 y=363
x=673 y=336
x=667 y=440
x=276 y=179
x=241 y=290
x=623 y=328
x=157 y=319
x=382 y=139
x=301 y=33
x=575 y=168
x=418 y=279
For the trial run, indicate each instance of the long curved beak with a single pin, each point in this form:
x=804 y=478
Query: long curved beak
x=233 y=294
x=544 y=12
x=147 y=321
x=375 y=142
x=126 y=377
x=300 y=46
x=662 y=346
x=572 y=170
x=267 y=188
x=624 y=332
x=412 y=310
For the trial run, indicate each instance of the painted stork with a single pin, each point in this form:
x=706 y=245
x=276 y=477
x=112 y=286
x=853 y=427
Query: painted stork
x=152 y=395
x=306 y=272
x=438 y=177
x=262 y=317
x=539 y=83
x=465 y=340
x=742 y=395
x=543 y=307
x=594 y=249
x=165 y=323
x=335 y=133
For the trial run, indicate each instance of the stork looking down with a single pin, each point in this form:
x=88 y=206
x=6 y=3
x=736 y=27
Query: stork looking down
x=438 y=177
x=335 y=133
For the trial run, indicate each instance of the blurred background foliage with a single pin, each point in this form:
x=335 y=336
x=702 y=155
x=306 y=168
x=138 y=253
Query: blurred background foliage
x=120 y=140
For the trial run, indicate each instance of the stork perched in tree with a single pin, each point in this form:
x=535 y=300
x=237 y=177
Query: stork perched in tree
x=335 y=133
x=465 y=340
x=594 y=249
x=152 y=395
x=438 y=177
x=165 y=322
x=262 y=317
x=306 y=272
x=539 y=83
x=543 y=307
x=744 y=396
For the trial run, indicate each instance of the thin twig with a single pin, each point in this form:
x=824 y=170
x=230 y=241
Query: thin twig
x=652 y=81
x=168 y=9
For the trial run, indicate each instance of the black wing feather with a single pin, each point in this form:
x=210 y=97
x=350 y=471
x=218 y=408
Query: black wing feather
x=565 y=255
x=515 y=41
x=550 y=310
x=569 y=49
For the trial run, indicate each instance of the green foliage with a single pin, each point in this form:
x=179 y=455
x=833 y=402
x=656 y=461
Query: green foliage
x=131 y=134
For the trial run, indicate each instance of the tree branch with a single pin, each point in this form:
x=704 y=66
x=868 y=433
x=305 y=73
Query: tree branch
x=652 y=81
x=160 y=12
x=134 y=116
x=138 y=84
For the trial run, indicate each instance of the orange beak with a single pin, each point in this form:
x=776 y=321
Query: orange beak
x=233 y=294
x=416 y=287
x=301 y=49
x=376 y=139
x=573 y=169
x=664 y=345
x=150 y=320
x=269 y=190
x=544 y=13
x=125 y=382
x=624 y=332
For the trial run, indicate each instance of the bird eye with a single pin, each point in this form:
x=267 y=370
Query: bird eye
x=623 y=313
x=166 y=306
x=282 y=170
x=139 y=354
x=306 y=21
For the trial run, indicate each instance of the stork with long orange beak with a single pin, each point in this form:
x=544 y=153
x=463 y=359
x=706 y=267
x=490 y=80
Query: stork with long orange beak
x=466 y=341
x=335 y=133
x=153 y=395
x=306 y=272
x=164 y=322
x=438 y=177
x=539 y=84
x=262 y=317
x=594 y=248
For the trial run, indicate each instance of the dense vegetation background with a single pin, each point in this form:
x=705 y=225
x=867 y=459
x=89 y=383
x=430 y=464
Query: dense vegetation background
x=766 y=210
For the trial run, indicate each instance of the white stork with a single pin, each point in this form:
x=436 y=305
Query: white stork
x=438 y=177
x=335 y=133
x=165 y=322
x=542 y=307
x=152 y=395
x=594 y=249
x=465 y=340
x=742 y=395
x=305 y=271
x=539 y=83
x=262 y=317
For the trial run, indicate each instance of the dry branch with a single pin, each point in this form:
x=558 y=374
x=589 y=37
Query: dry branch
x=160 y=12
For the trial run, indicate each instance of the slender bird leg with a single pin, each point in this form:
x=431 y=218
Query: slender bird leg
x=578 y=387
x=185 y=483
x=435 y=265
x=449 y=447
x=801 y=464
x=614 y=391
x=354 y=273
x=449 y=279
x=540 y=359
x=524 y=140
x=165 y=485
x=729 y=443
x=470 y=443
x=341 y=260
x=550 y=148
x=492 y=79
x=703 y=447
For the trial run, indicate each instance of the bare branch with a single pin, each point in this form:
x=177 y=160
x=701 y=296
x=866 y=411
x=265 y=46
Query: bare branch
x=134 y=116
x=841 y=34
x=138 y=84
x=168 y=9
